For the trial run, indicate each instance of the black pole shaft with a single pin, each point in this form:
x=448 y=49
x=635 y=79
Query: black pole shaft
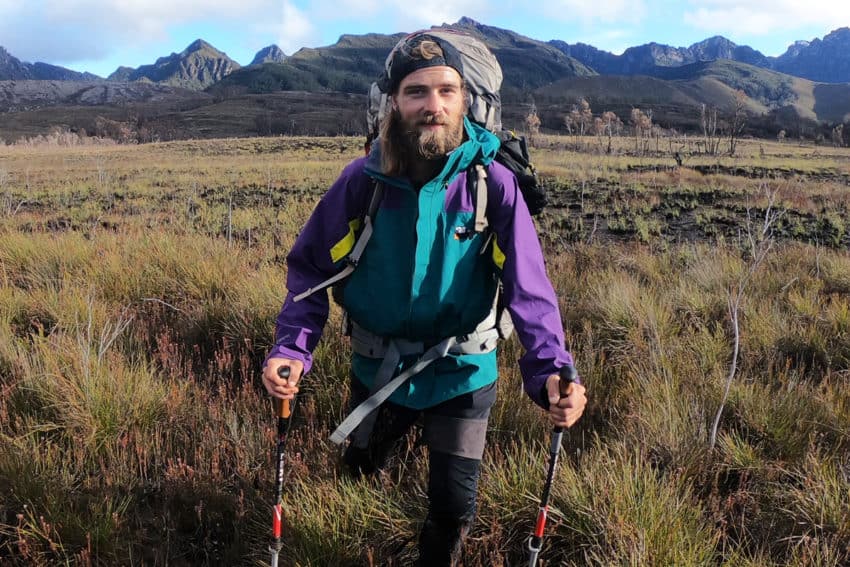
x=535 y=542
x=284 y=413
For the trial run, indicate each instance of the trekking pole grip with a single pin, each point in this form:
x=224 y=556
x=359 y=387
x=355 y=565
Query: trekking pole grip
x=568 y=376
x=284 y=408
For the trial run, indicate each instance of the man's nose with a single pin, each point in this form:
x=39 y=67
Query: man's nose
x=432 y=102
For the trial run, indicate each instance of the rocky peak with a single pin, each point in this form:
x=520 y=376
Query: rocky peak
x=196 y=67
x=270 y=54
x=717 y=47
x=199 y=45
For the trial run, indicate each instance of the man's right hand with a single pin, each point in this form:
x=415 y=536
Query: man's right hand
x=278 y=387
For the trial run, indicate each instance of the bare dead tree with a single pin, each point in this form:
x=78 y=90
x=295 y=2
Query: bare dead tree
x=642 y=124
x=532 y=123
x=708 y=121
x=760 y=240
x=838 y=136
x=738 y=120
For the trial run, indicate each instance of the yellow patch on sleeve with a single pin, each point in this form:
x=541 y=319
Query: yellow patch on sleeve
x=498 y=255
x=342 y=248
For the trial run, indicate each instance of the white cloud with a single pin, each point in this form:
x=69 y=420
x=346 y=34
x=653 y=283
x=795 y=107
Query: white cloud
x=66 y=31
x=424 y=14
x=614 y=40
x=400 y=15
x=295 y=29
x=760 y=17
x=346 y=9
x=605 y=11
x=70 y=30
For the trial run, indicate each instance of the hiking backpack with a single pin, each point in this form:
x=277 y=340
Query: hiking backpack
x=483 y=78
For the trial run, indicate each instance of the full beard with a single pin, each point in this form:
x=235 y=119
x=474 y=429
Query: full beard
x=432 y=144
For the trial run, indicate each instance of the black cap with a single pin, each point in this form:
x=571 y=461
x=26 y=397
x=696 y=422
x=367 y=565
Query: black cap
x=402 y=63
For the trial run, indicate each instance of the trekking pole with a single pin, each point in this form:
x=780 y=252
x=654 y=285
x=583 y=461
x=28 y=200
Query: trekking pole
x=535 y=542
x=283 y=410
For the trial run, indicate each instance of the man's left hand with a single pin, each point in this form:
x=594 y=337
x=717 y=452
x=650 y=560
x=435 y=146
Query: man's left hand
x=564 y=412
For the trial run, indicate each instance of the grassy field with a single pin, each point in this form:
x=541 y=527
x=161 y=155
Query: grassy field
x=139 y=288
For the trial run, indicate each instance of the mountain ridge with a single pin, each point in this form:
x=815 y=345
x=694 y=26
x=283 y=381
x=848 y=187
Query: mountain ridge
x=275 y=96
x=12 y=68
x=201 y=65
x=197 y=67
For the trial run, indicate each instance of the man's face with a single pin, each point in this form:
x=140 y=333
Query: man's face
x=431 y=104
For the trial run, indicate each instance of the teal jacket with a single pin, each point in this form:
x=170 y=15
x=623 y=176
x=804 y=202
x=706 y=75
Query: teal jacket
x=425 y=274
x=429 y=283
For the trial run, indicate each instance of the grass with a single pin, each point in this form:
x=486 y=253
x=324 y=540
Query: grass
x=138 y=290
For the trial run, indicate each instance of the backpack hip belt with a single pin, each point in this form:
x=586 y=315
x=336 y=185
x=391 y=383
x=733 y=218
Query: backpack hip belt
x=365 y=343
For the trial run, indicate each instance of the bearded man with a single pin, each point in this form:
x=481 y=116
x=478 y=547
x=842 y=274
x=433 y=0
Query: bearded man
x=426 y=282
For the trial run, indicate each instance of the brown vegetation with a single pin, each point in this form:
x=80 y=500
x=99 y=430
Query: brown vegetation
x=139 y=287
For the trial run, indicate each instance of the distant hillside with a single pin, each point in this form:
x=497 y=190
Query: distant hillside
x=322 y=90
x=354 y=62
x=122 y=74
x=19 y=96
x=647 y=59
x=826 y=60
x=12 y=68
x=676 y=94
x=348 y=66
x=196 y=67
x=526 y=63
x=768 y=89
x=602 y=62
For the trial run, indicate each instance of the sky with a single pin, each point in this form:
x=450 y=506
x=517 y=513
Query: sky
x=98 y=36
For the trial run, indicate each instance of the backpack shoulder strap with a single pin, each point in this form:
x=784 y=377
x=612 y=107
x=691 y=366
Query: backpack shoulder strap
x=353 y=258
x=481 y=222
x=377 y=195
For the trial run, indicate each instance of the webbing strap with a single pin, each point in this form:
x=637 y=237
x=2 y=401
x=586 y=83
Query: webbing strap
x=365 y=414
x=371 y=345
x=354 y=258
x=375 y=400
x=481 y=223
x=362 y=431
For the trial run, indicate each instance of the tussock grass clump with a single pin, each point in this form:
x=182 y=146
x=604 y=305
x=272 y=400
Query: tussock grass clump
x=617 y=509
x=818 y=495
x=138 y=290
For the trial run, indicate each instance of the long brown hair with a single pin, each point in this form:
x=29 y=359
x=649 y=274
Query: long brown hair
x=396 y=151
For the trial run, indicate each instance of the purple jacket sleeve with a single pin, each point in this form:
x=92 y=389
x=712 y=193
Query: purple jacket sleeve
x=528 y=292
x=299 y=324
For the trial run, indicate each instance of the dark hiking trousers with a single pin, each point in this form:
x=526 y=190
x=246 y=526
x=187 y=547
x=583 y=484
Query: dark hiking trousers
x=455 y=432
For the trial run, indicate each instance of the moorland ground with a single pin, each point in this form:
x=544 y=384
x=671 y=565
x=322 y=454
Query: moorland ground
x=139 y=288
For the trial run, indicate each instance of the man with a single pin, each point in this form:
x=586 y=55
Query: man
x=427 y=281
